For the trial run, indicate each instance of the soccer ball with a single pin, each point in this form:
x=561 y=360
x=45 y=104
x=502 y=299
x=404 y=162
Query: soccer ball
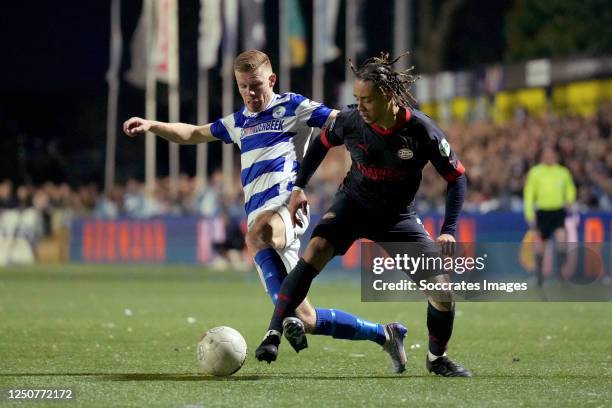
x=221 y=351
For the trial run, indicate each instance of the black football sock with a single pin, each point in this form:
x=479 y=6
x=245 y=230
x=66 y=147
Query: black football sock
x=561 y=258
x=440 y=325
x=292 y=292
x=539 y=261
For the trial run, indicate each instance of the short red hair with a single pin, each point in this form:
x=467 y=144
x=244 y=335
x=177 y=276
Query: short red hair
x=249 y=61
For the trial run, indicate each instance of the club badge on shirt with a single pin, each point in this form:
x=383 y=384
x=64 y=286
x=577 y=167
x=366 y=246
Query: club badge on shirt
x=405 y=154
x=278 y=112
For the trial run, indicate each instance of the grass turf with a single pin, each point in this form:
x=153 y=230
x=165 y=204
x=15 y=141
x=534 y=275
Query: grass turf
x=120 y=336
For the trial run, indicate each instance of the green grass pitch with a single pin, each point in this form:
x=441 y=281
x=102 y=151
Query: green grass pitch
x=120 y=336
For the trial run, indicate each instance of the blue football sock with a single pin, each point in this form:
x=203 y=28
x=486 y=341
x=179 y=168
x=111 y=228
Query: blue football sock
x=342 y=325
x=273 y=270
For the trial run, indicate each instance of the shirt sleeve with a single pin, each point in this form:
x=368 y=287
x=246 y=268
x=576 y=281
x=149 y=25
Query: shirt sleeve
x=570 y=188
x=333 y=135
x=314 y=156
x=314 y=114
x=455 y=195
x=529 y=195
x=442 y=156
x=223 y=128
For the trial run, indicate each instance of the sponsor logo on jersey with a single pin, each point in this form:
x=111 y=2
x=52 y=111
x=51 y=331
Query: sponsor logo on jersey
x=444 y=148
x=405 y=154
x=269 y=126
x=382 y=173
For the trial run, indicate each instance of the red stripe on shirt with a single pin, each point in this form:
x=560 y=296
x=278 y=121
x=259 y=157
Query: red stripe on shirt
x=455 y=174
x=324 y=139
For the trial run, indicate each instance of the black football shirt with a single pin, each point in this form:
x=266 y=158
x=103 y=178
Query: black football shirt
x=387 y=164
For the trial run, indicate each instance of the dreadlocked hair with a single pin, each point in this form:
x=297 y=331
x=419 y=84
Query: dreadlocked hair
x=396 y=84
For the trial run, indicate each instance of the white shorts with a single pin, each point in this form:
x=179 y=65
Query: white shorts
x=290 y=253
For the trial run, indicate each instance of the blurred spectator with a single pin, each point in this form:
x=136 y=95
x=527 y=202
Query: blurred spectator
x=6 y=195
x=208 y=201
x=496 y=157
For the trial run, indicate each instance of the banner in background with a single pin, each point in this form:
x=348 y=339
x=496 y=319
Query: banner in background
x=163 y=10
x=210 y=31
x=297 y=34
x=192 y=240
x=253 y=26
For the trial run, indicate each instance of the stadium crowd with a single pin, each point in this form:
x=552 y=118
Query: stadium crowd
x=496 y=157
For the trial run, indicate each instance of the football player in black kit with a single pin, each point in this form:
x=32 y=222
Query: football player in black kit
x=389 y=142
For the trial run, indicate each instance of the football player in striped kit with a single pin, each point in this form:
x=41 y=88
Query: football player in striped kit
x=272 y=132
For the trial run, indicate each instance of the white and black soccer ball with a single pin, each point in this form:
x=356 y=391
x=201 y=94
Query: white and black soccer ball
x=221 y=351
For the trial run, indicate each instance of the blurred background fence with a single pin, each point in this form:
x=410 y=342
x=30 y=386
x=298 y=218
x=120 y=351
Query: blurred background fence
x=503 y=80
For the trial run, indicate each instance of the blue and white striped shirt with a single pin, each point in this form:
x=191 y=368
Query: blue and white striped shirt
x=272 y=144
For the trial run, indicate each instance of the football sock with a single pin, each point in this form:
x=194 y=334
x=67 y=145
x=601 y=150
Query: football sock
x=273 y=270
x=342 y=325
x=539 y=269
x=440 y=326
x=292 y=292
x=433 y=357
x=561 y=258
x=330 y=322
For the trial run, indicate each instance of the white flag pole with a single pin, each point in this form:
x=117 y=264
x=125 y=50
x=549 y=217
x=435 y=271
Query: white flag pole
x=401 y=33
x=284 y=80
x=350 y=51
x=230 y=43
x=174 y=102
x=202 y=148
x=112 y=77
x=150 y=93
x=209 y=38
x=318 y=43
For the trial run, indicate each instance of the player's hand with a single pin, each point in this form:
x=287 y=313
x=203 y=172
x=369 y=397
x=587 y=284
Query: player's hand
x=136 y=126
x=297 y=201
x=447 y=244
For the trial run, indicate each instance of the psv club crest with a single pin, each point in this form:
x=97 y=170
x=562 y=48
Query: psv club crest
x=405 y=154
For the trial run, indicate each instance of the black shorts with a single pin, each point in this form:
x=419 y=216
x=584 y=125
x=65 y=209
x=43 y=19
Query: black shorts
x=548 y=221
x=347 y=221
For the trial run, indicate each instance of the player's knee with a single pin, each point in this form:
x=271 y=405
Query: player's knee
x=538 y=247
x=259 y=237
x=252 y=241
x=320 y=245
x=318 y=252
x=560 y=237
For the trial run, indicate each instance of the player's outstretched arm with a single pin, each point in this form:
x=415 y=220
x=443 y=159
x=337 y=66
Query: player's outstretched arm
x=181 y=133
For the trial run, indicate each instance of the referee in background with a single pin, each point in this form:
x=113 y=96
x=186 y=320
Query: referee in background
x=549 y=192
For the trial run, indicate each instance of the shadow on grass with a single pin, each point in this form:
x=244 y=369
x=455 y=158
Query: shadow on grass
x=291 y=376
x=175 y=377
x=204 y=377
x=140 y=376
